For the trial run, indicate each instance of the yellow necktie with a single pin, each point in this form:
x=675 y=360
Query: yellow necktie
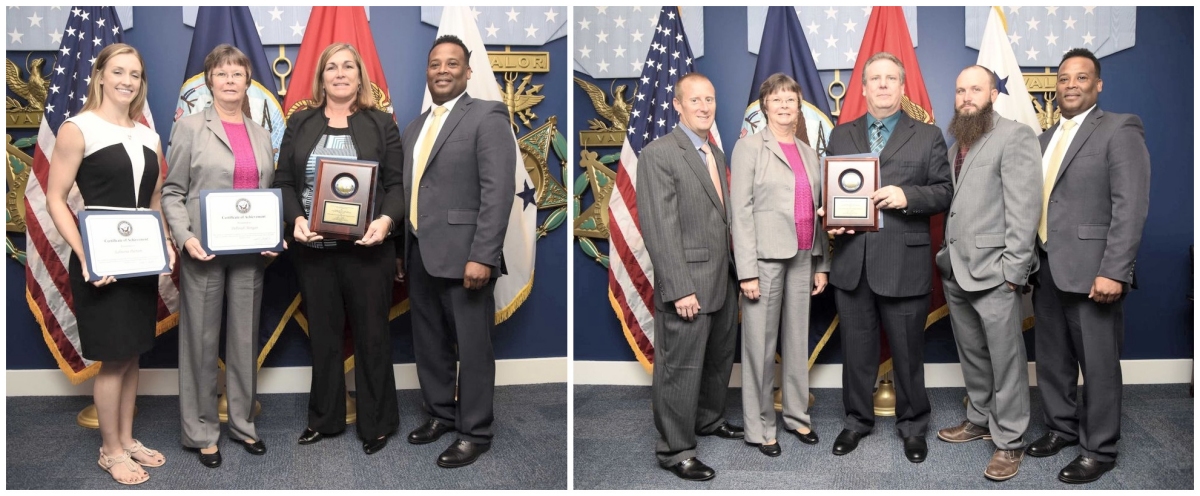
x=423 y=158
x=1056 y=158
x=712 y=170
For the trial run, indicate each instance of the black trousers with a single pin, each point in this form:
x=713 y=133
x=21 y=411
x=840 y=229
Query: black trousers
x=452 y=325
x=861 y=312
x=350 y=284
x=1075 y=333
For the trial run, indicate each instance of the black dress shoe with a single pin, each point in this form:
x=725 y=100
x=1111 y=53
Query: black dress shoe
x=429 y=432
x=210 y=461
x=846 y=441
x=915 y=449
x=726 y=431
x=1048 y=445
x=310 y=436
x=810 y=438
x=461 y=454
x=693 y=470
x=254 y=448
x=1082 y=470
x=769 y=449
x=372 y=446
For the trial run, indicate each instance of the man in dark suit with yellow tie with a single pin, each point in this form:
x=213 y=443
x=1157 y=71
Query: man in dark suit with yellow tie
x=885 y=277
x=1096 y=195
x=458 y=185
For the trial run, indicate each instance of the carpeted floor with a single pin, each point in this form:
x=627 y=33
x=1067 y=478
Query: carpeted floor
x=615 y=436
x=47 y=450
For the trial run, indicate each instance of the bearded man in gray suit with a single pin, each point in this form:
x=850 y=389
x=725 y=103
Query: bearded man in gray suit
x=986 y=257
x=1095 y=200
x=682 y=191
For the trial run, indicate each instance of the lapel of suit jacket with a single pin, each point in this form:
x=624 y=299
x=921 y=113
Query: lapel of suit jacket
x=1081 y=136
x=903 y=132
x=213 y=122
x=773 y=144
x=858 y=135
x=264 y=152
x=452 y=120
x=692 y=157
x=812 y=166
x=972 y=154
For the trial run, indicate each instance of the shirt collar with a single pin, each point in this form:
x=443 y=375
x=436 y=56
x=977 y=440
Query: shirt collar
x=697 y=141
x=449 y=104
x=1078 y=119
x=889 y=122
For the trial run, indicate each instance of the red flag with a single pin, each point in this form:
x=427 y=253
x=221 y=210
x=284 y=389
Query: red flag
x=328 y=25
x=887 y=31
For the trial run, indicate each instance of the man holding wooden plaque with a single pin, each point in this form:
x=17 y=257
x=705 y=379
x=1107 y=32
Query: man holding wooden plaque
x=885 y=277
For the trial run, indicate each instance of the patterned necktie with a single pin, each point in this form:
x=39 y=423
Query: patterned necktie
x=958 y=160
x=877 y=137
x=1056 y=158
x=435 y=125
x=712 y=170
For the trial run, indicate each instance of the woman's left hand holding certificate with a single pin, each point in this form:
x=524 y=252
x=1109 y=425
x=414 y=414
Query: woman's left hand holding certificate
x=118 y=244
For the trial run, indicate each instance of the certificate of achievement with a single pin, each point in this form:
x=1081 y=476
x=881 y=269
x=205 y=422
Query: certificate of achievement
x=123 y=243
x=241 y=221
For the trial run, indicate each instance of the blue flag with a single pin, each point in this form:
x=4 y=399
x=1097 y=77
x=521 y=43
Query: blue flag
x=785 y=50
x=235 y=26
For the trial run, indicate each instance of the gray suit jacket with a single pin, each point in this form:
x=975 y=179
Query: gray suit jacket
x=199 y=157
x=993 y=219
x=762 y=199
x=896 y=257
x=466 y=189
x=684 y=225
x=1099 y=202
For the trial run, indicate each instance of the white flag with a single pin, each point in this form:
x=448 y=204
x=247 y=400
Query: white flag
x=995 y=53
x=521 y=237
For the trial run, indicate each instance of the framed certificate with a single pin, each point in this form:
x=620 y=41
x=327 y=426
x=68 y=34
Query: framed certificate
x=343 y=201
x=849 y=182
x=241 y=221
x=123 y=243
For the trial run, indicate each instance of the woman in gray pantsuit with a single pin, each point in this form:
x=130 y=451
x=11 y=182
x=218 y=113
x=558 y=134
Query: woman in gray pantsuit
x=782 y=259
x=219 y=148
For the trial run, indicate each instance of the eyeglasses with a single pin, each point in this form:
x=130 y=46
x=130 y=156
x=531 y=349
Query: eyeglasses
x=225 y=75
x=791 y=102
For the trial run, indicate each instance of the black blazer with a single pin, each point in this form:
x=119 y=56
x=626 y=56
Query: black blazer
x=376 y=138
x=898 y=259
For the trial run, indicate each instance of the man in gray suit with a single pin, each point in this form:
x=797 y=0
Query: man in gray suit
x=682 y=191
x=1095 y=199
x=885 y=277
x=458 y=185
x=986 y=257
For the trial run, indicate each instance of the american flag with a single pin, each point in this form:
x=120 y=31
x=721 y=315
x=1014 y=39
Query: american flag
x=47 y=288
x=630 y=274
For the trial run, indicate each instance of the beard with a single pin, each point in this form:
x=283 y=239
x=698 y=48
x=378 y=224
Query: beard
x=967 y=128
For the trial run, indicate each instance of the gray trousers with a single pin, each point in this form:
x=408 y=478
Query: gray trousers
x=205 y=288
x=781 y=311
x=987 y=329
x=692 y=362
x=1077 y=334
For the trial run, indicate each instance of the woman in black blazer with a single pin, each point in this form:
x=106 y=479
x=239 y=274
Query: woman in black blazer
x=345 y=282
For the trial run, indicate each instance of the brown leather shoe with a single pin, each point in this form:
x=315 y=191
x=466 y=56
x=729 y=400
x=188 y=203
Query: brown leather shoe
x=963 y=433
x=1004 y=464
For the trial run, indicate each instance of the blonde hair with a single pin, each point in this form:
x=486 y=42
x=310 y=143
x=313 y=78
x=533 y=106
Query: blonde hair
x=95 y=95
x=365 y=99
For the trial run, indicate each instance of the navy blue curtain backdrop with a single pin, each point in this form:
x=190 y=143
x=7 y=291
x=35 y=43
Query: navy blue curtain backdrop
x=537 y=329
x=1144 y=80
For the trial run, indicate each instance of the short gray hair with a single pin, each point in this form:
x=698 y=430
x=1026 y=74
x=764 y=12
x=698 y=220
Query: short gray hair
x=883 y=56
